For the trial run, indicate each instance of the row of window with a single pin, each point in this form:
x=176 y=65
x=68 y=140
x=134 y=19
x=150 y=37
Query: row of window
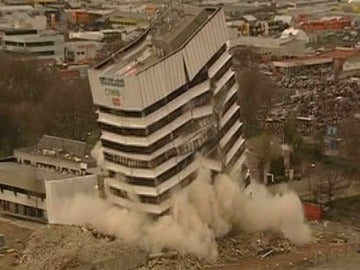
x=22 y=210
x=165 y=156
x=162 y=158
x=236 y=157
x=152 y=182
x=43 y=53
x=222 y=70
x=199 y=101
x=158 y=199
x=158 y=160
x=167 y=194
x=233 y=139
x=153 y=147
x=17 y=190
x=29 y=44
x=170 y=173
x=186 y=162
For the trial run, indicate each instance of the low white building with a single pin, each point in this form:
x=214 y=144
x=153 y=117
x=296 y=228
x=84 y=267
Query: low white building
x=39 y=179
x=34 y=43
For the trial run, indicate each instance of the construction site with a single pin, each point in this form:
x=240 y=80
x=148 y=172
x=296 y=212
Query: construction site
x=173 y=188
x=76 y=247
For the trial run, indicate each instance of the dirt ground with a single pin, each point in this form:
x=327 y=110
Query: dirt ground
x=307 y=256
x=16 y=238
x=332 y=240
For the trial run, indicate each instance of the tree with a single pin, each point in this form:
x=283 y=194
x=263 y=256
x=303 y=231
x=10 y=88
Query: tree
x=244 y=58
x=255 y=89
x=35 y=100
x=330 y=185
x=293 y=137
x=262 y=149
x=277 y=167
x=319 y=146
x=350 y=133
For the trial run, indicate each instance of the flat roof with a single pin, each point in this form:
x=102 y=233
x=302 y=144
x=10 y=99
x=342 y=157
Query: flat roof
x=61 y=149
x=325 y=57
x=139 y=55
x=304 y=61
x=28 y=177
x=260 y=42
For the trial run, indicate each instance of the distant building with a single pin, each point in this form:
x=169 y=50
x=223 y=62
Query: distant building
x=137 y=19
x=22 y=20
x=33 y=43
x=38 y=179
x=344 y=60
x=81 y=52
x=289 y=44
x=167 y=97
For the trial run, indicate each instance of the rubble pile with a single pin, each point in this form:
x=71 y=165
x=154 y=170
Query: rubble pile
x=66 y=247
x=230 y=248
x=250 y=244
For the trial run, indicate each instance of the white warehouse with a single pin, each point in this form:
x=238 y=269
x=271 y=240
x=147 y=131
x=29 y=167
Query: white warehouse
x=166 y=97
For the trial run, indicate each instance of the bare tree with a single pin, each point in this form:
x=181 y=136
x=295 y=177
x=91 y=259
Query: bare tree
x=34 y=101
x=350 y=133
x=331 y=184
x=255 y=89
x=262 y=149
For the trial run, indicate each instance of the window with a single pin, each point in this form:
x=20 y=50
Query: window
x=43 y=53
x=118 y=192
x=40 y=44
x=196 y=102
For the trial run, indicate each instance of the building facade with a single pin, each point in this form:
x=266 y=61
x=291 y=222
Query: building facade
x=39 y=179
x=33 y=43
x=163 y=100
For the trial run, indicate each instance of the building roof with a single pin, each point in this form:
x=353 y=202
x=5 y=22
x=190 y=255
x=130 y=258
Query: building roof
x=15 y=8
x=294 y=33
x=130 y=15
x=260 y=42
x=60 y=148
x=302 y=61
x=326 y=57
x=284 y=18
x=167 y=34
x=28 y=177
x=341 y=53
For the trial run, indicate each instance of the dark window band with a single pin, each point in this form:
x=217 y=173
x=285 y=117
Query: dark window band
x=198 y=101
x=152 y=182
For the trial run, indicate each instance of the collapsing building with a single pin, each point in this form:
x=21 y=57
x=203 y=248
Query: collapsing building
x=166 y=97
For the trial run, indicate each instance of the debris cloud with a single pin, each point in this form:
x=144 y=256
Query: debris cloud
x=206 y=210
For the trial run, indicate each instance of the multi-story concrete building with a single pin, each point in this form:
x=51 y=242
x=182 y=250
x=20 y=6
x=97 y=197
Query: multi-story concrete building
x=33 y=43
x=166 y=97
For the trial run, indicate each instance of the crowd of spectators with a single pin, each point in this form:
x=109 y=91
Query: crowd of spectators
x=318 y=102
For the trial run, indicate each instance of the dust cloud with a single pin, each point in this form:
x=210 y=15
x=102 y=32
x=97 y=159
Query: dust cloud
x=97 y=154
x=206 y=210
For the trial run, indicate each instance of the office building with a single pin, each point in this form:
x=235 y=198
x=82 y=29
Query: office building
x=163 y=101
